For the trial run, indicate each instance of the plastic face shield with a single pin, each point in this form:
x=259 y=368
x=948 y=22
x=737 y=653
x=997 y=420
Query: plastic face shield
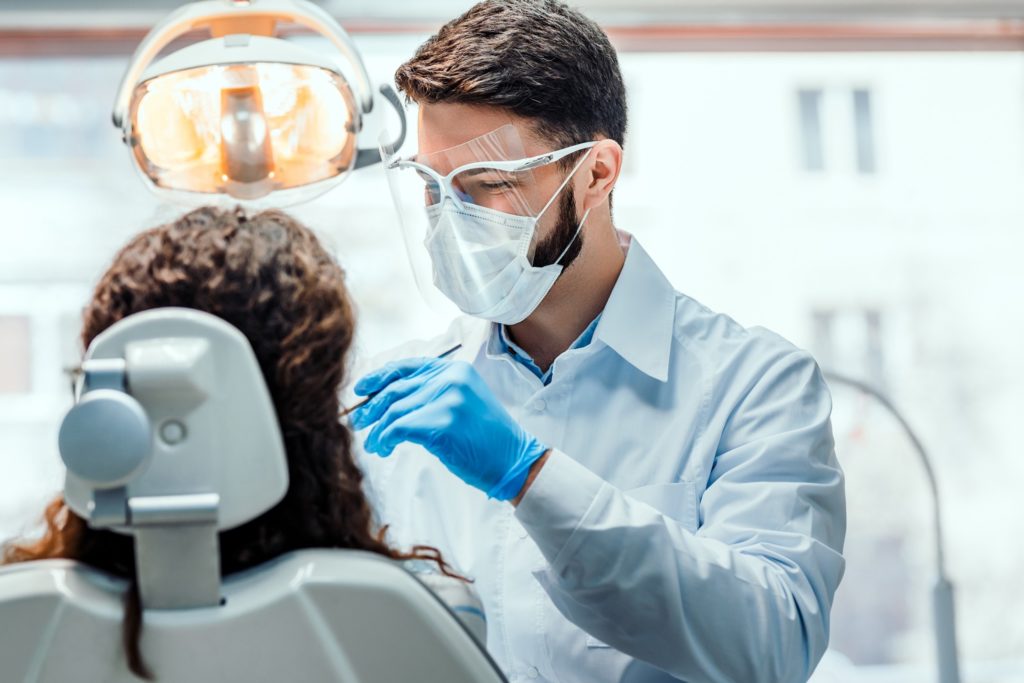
x=498 y=191
x=244 y=130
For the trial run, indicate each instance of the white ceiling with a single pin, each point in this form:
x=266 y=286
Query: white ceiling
x=85 y=13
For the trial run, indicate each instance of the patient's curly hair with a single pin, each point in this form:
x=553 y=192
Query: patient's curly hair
x=267 y=275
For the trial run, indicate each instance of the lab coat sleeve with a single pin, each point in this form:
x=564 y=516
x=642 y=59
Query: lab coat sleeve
x=746 y=597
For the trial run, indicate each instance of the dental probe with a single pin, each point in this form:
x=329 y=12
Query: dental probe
x=363 y=402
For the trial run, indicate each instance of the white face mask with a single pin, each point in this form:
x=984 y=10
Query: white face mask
x=481 y=262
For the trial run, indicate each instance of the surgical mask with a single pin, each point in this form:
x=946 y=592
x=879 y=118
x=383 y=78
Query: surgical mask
x=481 y=261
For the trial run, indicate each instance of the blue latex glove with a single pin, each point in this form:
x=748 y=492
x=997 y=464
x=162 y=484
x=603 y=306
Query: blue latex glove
x=446 y=407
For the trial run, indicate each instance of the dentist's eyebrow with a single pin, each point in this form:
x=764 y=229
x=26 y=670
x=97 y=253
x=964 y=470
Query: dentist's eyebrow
x=477 y=171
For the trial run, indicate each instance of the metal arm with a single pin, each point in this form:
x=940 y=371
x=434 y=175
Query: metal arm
x=370 y=156
x=943 y=606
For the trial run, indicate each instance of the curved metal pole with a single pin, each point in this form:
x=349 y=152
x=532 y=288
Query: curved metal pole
x=944 y=612
x=940 y=556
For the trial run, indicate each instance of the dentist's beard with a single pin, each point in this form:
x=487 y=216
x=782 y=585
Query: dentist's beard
x=551 y=247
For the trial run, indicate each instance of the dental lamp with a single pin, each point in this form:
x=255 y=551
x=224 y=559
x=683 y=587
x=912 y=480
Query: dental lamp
x=246 y=113
x=943 y=605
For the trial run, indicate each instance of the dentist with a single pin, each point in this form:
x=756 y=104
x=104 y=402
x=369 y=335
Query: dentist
x=643 y=489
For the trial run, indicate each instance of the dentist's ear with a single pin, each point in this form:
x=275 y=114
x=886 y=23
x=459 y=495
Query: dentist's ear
x=600 y=173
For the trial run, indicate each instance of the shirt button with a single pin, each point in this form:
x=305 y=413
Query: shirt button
x=523 y=533
x=539 y=405
x=532 y=672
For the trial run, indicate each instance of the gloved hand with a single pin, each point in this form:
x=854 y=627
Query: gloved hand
x=446 y=407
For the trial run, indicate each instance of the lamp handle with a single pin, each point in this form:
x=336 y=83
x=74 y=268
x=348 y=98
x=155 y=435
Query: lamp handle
x=372 y=155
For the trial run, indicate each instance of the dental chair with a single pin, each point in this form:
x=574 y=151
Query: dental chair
x=174 y=438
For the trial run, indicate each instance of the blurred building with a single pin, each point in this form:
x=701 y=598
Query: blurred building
x=865 y=204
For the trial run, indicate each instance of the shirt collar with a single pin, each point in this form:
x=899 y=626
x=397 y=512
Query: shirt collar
x=637 y=322
x=501 y=343
x=639 y=319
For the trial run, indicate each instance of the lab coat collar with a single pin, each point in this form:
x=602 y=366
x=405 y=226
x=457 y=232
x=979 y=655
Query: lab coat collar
x=639 y=318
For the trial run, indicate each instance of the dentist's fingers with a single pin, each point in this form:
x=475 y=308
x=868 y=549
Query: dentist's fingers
x=388 y=373
x=410 y=405
x=426 y=427
x=371 y=411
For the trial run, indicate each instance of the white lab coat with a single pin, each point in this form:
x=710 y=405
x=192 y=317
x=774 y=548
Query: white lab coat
x=689 y=523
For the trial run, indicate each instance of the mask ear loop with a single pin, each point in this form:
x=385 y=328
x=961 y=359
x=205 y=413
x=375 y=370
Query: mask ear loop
x=583 y=220
x=586 y=213
x=562 y=186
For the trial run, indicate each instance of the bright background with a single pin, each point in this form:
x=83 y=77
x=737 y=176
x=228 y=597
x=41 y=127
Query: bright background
x=865 y=202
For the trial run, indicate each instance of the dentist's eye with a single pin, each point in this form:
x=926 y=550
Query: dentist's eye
x=503 y=185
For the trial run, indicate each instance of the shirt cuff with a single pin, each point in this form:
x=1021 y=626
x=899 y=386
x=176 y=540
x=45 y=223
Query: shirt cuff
x=556 y=503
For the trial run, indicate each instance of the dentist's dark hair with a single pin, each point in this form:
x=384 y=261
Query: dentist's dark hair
x=267 y=275
x=537 y=59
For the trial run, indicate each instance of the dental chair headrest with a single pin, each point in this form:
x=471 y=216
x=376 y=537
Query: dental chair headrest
x=173 y=438
x=173 y=402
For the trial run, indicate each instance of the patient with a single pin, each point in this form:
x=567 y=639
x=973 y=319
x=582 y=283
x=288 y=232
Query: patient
x=268 y=276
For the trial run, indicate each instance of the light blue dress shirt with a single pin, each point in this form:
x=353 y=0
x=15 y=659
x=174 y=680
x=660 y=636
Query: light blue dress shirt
x=689 y=522
x=505 y=344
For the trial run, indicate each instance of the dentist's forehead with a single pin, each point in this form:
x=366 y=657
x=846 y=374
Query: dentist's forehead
x=444 y=126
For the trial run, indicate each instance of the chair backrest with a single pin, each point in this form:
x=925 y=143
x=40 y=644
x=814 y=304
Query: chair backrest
x=173 y=439
x=313 y=615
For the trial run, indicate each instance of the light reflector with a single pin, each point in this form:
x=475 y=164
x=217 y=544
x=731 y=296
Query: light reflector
x=243 y=129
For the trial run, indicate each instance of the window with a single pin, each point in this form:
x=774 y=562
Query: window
x=811 y=141
x=824 y=126
x=864 y=131
x=15 y=355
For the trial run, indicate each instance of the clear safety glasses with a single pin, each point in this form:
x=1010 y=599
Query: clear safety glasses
x=498 y=187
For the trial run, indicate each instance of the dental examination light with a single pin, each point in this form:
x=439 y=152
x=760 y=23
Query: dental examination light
x=246 y=113
x=943 y=607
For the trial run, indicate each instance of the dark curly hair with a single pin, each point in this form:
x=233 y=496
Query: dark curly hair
x=268 y=276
